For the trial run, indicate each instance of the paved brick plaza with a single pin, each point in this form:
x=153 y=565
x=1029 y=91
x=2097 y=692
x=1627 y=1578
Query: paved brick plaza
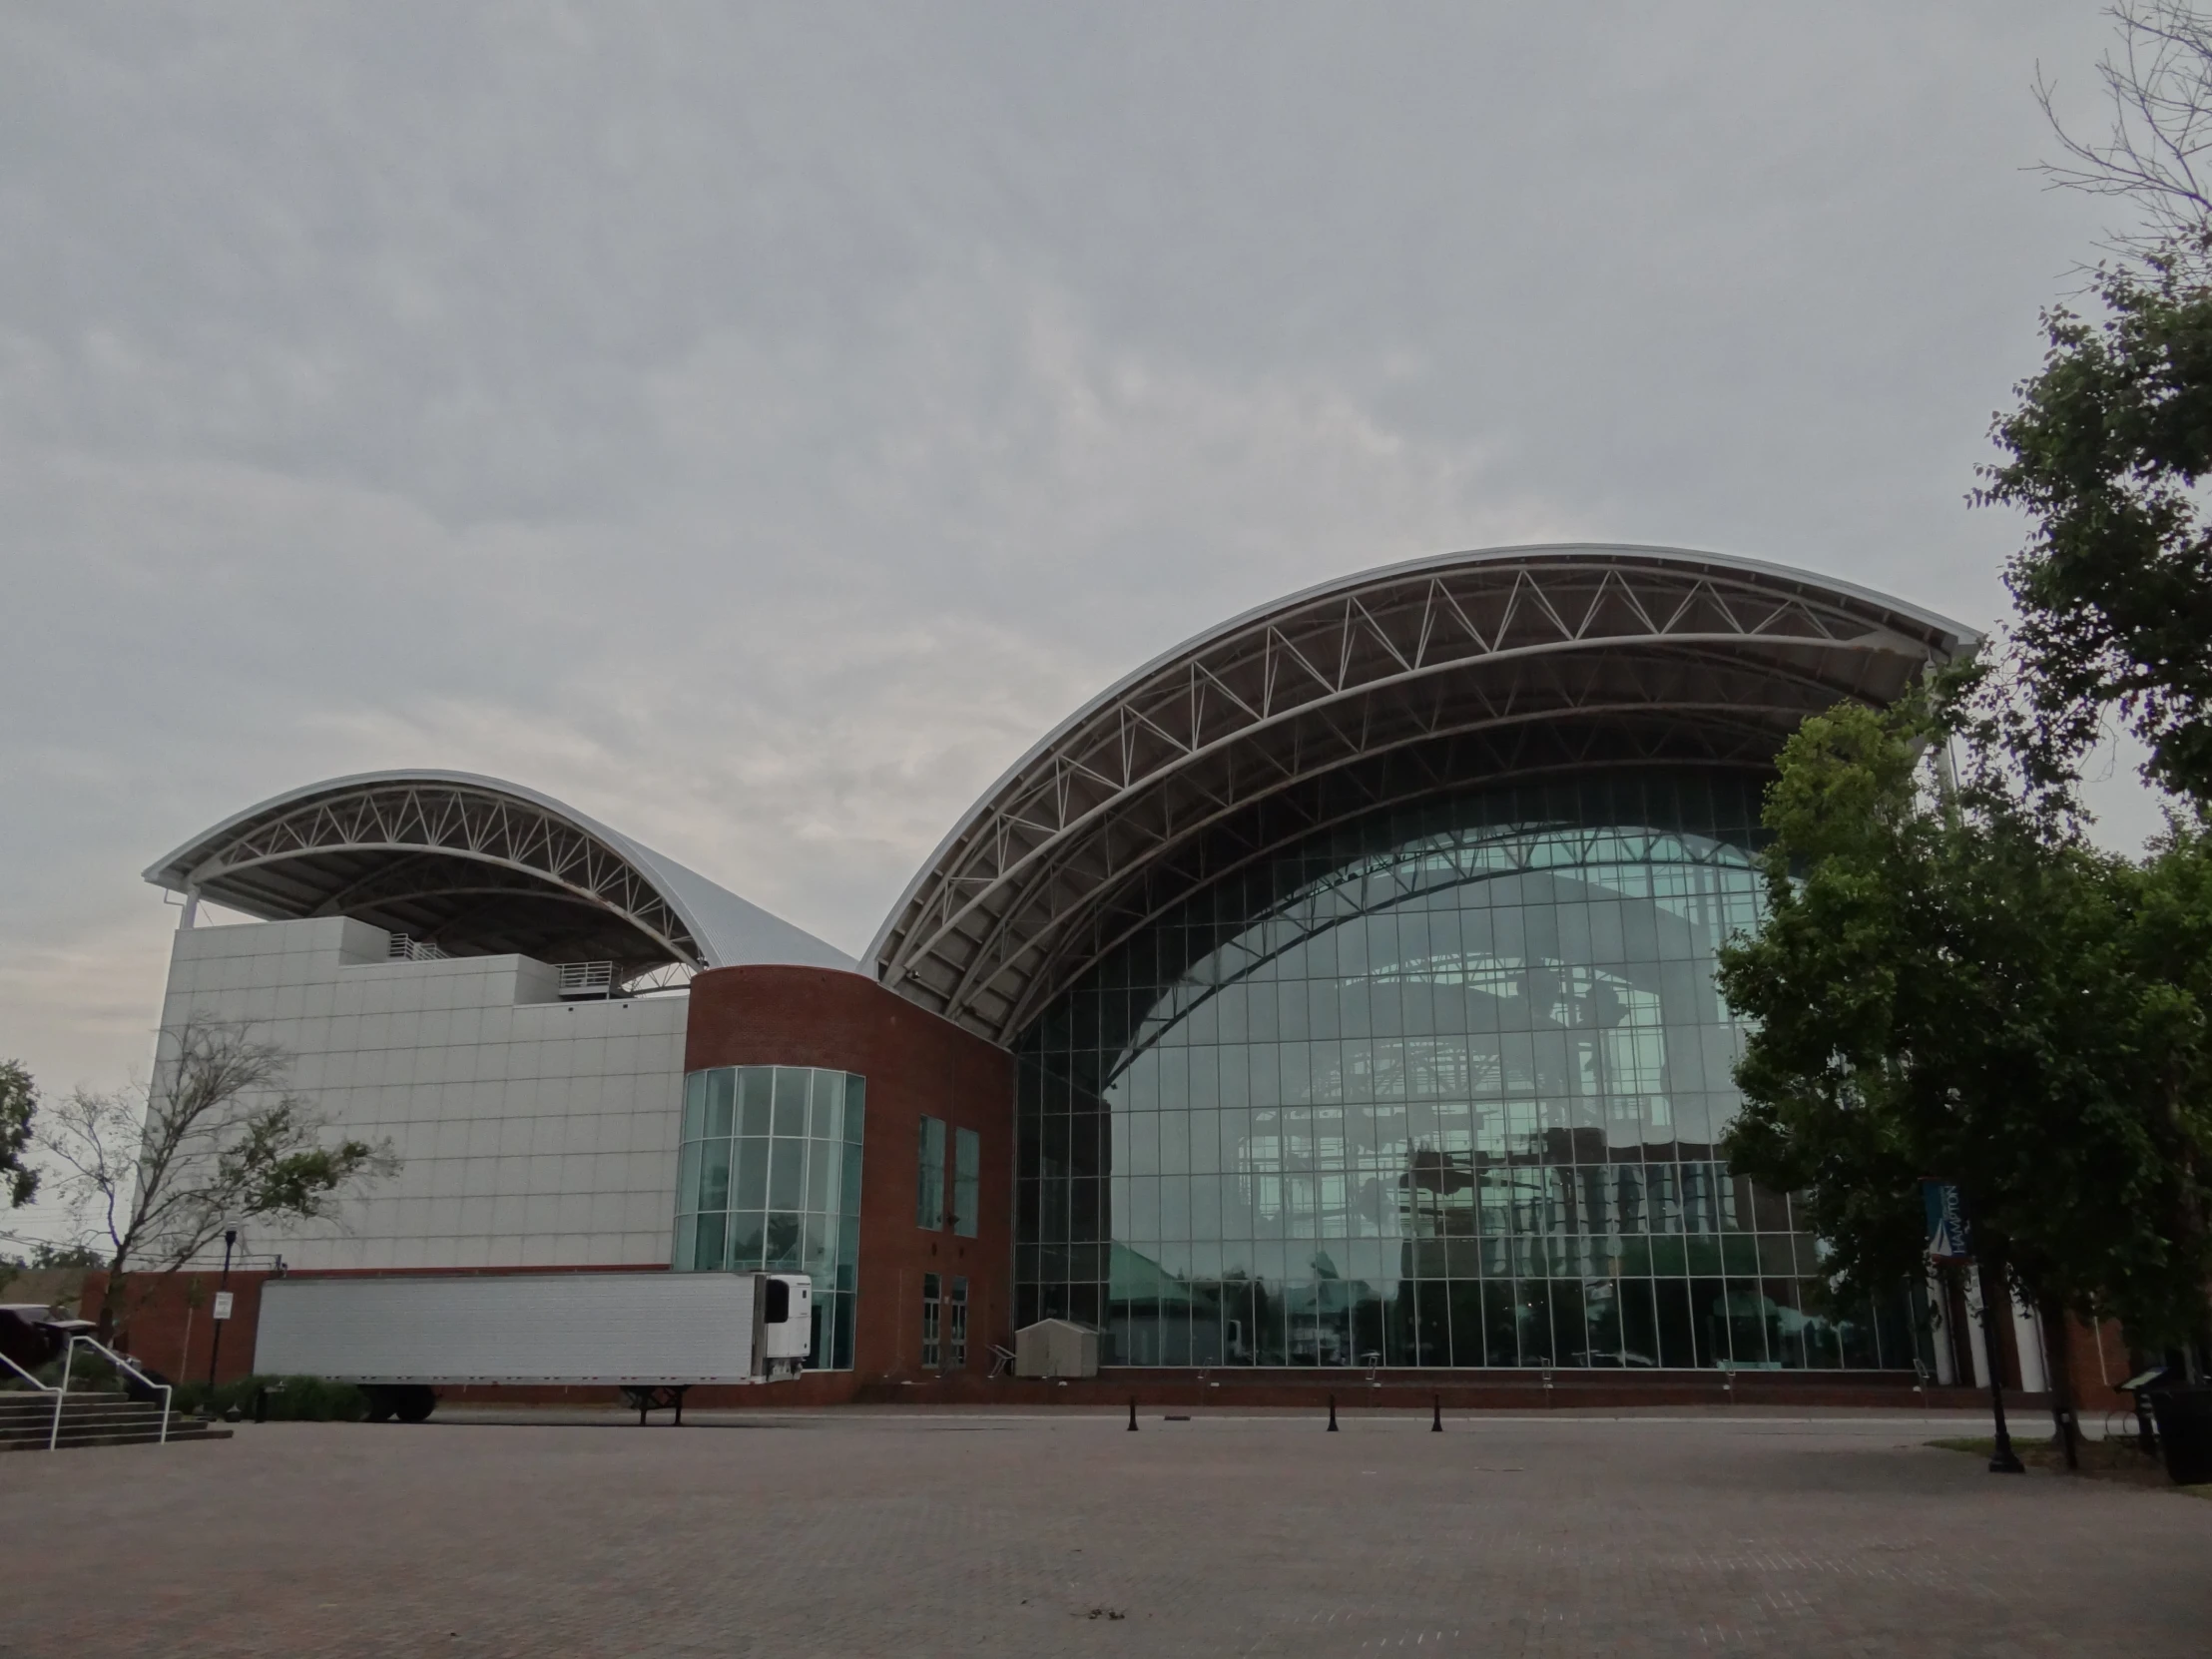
x=844 y=1533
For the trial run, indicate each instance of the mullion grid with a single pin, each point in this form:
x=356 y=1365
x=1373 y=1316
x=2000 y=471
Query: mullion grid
x=1573 y=1218
x=768 y=1180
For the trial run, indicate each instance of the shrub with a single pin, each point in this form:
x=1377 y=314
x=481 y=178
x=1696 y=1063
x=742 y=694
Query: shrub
x=89 y=1373
x=290 y=1398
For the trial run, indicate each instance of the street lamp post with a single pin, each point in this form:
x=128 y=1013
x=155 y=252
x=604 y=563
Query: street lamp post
x=222 y=1288
x=1951 y=1241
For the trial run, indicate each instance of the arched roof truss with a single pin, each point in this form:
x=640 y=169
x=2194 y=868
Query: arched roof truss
x=470 y=864
x=1407 y=681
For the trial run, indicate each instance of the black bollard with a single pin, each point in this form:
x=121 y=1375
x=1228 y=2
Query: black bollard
x=1132 y=1414
x=1437 y=1414
x=260 y=1406
x=1332 y=1414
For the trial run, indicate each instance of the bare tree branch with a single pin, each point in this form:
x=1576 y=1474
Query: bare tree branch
x=216 y=1139
x=2158 y=153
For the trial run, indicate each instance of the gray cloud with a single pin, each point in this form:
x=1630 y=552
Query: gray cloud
x=758 y=424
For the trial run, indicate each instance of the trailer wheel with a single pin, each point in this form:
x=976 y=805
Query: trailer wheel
x=382 y=1406
x=415 y=1404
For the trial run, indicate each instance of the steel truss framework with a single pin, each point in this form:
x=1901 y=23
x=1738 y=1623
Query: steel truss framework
x=1380 y=880
x=465 y=864
x=1418 y=679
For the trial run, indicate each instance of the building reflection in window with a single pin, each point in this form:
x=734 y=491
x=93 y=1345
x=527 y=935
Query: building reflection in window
x=1443 y=1088
x=768 y=1178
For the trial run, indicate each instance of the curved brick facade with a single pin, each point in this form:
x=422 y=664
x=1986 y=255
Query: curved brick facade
x=916 y=1065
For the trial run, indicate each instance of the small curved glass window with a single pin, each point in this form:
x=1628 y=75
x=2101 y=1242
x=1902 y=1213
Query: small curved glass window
x=768 y=1178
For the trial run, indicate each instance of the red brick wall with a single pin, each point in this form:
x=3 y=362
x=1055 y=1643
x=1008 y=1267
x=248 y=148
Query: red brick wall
x=2092 y=1380
x=915 y=1064
x=159 y=1325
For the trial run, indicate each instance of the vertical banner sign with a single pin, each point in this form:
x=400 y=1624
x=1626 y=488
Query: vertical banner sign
x=1949 y=1238
x=222 y=1305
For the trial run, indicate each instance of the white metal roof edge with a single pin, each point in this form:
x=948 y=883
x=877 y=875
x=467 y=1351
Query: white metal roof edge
x=716 y=918
x=1958 y=636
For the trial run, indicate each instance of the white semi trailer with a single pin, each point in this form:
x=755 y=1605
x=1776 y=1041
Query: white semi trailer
x=651 y=1334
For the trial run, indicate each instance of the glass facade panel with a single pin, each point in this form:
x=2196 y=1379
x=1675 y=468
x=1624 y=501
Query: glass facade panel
x=1438 y=1087
x=967 y=1182
x=929 y=1175
x=768 y=1178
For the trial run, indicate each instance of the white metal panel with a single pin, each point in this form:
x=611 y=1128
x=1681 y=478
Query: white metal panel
x=791 y=1340
x=1055 y=1348
x=554 y=1327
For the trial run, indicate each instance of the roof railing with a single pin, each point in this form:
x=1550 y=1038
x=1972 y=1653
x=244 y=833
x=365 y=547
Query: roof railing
x=405 y=948
x=587 y=980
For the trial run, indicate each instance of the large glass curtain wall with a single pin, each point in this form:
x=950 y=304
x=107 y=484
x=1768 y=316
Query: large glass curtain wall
x=1440 y=1089
x=769 y=1177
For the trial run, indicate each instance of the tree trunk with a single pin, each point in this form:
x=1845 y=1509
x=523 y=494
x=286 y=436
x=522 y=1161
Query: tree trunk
x=2192 y=1217
x=111 y=1294
x=2058 y=1357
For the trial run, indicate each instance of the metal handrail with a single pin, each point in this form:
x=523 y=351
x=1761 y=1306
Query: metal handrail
x=69 y=1363
x=55 y=1427
x=587 y=978
x=404 y=948
x=43 y=1387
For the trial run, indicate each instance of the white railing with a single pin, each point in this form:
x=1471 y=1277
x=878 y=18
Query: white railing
x=55 y=1428
x=406 y=949
x=587 y=978
x=69 y=1364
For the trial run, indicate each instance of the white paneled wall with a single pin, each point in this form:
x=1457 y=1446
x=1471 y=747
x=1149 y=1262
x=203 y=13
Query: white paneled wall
x=533 y=1132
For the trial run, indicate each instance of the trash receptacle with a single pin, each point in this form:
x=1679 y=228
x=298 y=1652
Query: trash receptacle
x=2185 y=1432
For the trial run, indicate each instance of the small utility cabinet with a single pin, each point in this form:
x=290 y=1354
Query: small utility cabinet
x=651 y=1334
x=1057 y=1347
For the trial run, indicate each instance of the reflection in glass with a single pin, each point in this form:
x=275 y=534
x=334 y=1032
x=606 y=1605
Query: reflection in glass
x=781 y=1192
x=967 y=1182
x=1438 y=1088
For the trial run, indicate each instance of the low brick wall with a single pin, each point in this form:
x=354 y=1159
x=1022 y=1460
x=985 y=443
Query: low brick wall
x=166 y=1320
x=166 y=1323
x=1515 y=1391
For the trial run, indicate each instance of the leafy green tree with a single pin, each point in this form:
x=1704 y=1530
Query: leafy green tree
x=1951 y=980
x=18 y=1110
x=2112 y=437
x=2106 y=453
x=1951 y=984
x=46 y=1252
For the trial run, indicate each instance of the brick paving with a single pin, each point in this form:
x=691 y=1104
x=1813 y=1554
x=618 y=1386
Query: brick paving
x=925 y=1534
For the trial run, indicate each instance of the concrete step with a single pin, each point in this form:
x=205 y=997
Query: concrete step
x=180 y=1434
x=109 y=1430
x=27 y=1422
x=79 y=1411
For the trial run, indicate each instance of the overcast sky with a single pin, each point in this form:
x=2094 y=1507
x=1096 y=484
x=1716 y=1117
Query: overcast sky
x=756 y=425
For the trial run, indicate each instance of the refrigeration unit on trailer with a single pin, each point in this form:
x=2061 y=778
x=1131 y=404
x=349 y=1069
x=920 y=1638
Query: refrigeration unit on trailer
x=651 y=1334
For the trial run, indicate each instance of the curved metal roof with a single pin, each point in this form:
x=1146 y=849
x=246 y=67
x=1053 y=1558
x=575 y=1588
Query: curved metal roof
x=1406 y=680
x=477 y=866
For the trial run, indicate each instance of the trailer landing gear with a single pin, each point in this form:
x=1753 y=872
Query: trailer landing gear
x=643 y=1400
